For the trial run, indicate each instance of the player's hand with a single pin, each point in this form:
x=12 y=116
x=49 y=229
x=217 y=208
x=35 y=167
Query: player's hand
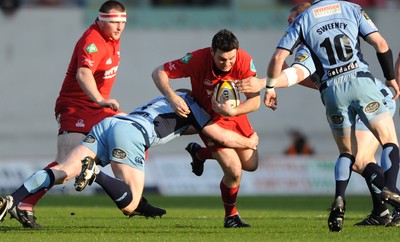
x=270 y=99
x=250 y=85
x=223 y=109
x=393 y=84
x=254 y=141
x=179 y=106
x=109 y=103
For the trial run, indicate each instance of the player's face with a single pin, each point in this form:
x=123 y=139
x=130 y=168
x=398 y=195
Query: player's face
x=112 y=29
x=224 y=60
x=291 y=17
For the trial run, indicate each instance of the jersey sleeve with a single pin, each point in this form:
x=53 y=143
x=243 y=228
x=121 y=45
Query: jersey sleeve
x=303 y=57
x=366 y=25
x=89 y=54
x=179 y=68
x=291 y=38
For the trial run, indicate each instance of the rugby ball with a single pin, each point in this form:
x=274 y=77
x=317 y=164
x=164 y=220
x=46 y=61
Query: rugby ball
x=226 y=91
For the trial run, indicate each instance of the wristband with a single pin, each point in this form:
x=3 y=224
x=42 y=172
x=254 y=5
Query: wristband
x=270 y=82
x=386 y=62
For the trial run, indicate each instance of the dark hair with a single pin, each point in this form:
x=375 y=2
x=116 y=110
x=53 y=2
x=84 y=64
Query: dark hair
x=107 y=6
x=224 y=40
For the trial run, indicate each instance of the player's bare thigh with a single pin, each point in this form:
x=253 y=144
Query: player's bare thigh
x=71 y=165
x=367 y=145
x=230 y=163
x=248 y=158
x=66 y=142
x=384 y=128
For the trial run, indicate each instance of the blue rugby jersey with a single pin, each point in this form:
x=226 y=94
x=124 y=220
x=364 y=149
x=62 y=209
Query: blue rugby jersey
x=331 y=29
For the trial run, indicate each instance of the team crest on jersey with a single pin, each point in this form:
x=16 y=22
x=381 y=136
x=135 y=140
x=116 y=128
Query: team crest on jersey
x=91 y=48
x=186 y=58
x=327 y=10
x=301 y=58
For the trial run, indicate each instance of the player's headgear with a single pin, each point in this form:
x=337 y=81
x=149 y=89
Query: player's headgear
x=113 y=17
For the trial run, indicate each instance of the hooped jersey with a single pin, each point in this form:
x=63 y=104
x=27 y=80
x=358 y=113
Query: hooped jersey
x=161 y=122
x=331 y=29
x=102 y=56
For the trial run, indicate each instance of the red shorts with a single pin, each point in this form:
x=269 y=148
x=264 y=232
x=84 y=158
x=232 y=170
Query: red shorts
x=239 y=124
x=81 y=120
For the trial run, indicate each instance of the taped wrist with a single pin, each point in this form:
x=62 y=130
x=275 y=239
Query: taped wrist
x=386 y=62
x=291 y=76
x=270 y=82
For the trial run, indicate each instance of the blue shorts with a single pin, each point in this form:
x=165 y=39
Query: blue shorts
x=350 y=94
x=388 y=101
x=117 y=140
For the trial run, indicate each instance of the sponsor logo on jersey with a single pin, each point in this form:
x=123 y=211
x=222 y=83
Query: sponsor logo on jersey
x=342 y=69
x=110 y=73
x=109 y=61
x=88 y=62
x=337 y=119
x=139 y=160
x=80 y=123
x=91 y=48
x=301 y=58
x=119 y=153
x=372 y=107
x=90 y=139
x=186 y=58
x=208 y=82
x=365 y=15
x=171 y=66
x=327 y=10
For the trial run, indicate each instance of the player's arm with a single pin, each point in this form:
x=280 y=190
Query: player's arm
x=161 y=81
x=230 y=139
x=385 y=58
x=226 y=138
x=397 y=70
x=88 y=84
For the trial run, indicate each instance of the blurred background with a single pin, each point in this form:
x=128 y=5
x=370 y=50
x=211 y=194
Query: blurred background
x=36 y=43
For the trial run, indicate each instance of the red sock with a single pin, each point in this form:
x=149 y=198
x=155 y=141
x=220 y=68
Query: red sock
x=204 y=153
x=229 y=199
x=30 y=202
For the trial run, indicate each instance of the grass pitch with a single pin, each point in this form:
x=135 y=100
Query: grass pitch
x=95 y=218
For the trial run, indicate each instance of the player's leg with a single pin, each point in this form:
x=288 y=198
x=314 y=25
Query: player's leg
x=366 y=166
x=229 y=186
x=248 y=159
x=44 y=179
x=24 y=211
x=343 y=166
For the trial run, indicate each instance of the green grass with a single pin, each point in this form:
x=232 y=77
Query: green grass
x=95 y=218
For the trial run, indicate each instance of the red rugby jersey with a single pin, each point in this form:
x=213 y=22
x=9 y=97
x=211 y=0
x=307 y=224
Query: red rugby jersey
x=198 y=65
x=101 y=55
